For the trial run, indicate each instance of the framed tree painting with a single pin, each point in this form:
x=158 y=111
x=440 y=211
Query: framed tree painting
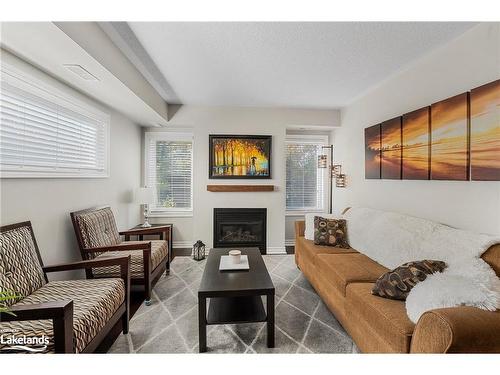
x=240 y=156
x=390 y=132
x=416 y=144
x=372 y=152
x=449 y=139
x=485 y=132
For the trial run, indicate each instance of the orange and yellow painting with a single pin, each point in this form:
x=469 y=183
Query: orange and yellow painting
x=372 y=152
x=416 y=144
x=485 y=132
x=391 y=148
x=240 y=156
x=449 y=142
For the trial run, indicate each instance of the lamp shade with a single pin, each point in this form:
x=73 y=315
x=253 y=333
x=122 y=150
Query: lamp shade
x=322 y=161
x=144 y=195
x=340 y=181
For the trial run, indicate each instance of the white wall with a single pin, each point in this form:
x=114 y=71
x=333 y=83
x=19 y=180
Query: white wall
x=243 y=120
x=48 y=202
x=465 y=63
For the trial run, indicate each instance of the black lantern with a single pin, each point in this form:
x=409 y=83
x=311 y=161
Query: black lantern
x=199 y=250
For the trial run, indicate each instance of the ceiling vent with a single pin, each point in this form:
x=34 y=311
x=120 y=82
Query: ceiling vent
x=81 y=72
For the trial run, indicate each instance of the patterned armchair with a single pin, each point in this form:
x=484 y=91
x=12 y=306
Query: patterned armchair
x=98 y=237
x=74 y=315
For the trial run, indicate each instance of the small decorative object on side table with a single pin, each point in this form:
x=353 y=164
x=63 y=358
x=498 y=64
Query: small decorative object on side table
x=164 y=231
x=145 y=196
x=199 y=250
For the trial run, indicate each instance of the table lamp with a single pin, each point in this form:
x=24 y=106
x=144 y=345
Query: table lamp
x=145 y=196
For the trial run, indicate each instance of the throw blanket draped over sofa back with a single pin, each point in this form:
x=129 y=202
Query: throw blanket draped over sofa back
x=392 y=239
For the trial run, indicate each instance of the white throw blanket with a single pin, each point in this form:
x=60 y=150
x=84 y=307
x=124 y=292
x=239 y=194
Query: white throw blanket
x=392 y=239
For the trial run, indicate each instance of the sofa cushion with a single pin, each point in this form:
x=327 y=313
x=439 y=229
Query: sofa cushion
x=397 y=283
x=342 y=269
x=159 y=251
x=309 y=223
x=94 y=303
x=98 y=228
x=330 y=232
x=20 y=270
x=387 y=318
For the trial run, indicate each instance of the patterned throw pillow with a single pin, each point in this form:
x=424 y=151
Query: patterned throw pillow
x=330 y=232
x=396 y=284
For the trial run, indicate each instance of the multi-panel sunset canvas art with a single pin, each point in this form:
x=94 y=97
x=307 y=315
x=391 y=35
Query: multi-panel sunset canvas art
x=455 y=139
x=416 y=151
x=449 y=143
x=485 y=132
x=391 y=148
x=372 y=152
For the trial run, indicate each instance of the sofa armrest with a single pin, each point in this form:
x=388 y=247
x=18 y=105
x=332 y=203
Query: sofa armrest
x=45 y=310
x=122 y=261
x=300 y=228
x=61 y=314
x=124 y=246
x=460 y=329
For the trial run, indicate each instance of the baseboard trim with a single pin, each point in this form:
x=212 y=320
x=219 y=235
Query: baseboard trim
x=270 y=250
x=276 y=250
x=182 y=244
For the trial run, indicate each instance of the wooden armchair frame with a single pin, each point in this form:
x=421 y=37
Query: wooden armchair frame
x=61 y=312
x=149 y=274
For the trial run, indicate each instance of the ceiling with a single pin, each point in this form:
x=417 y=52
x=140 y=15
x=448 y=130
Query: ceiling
x=304 y=64
x=48 y=47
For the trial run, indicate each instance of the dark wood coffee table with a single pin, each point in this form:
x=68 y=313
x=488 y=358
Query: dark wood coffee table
x=235 y=296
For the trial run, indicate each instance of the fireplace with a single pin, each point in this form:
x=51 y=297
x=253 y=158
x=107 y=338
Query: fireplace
x=240 y=227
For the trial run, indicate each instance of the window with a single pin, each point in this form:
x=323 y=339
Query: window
x=169 y=169
x=46 y=133
x=305 y=183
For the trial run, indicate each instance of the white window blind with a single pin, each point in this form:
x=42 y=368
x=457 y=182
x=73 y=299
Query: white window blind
x=45 y=135
x=169 y=169
x=305 y=190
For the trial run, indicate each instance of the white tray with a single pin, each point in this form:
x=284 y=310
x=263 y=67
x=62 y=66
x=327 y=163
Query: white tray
x=226 y=263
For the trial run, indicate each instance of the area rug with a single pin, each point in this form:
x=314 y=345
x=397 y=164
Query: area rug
x=170 y=324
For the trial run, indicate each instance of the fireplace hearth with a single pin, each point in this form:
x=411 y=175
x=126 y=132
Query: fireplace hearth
x=240 y=227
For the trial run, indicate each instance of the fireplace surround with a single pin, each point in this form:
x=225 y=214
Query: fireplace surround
x=240 y=227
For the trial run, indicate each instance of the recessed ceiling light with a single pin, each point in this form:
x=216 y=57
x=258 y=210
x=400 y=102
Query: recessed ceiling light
x=81 y=72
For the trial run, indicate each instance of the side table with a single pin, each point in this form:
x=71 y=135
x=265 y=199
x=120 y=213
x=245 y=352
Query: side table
x=164 y=231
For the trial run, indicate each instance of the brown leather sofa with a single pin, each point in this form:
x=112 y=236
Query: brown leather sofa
x=344 y=279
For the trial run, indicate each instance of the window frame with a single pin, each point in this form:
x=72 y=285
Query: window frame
x=179 y=135
x=69 y=101
x=309 y=139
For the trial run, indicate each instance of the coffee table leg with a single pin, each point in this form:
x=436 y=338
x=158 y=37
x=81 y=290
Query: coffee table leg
x=270 y=320
x=202 y=323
